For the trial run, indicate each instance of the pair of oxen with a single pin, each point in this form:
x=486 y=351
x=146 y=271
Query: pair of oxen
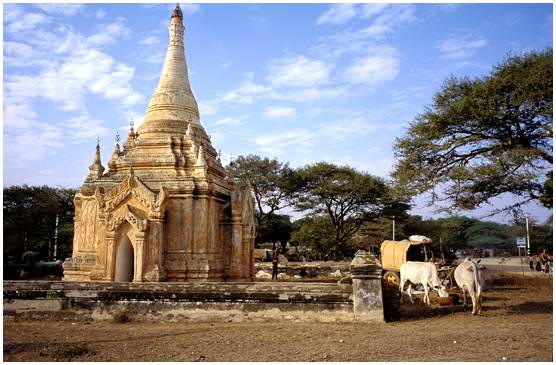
x=467 y=276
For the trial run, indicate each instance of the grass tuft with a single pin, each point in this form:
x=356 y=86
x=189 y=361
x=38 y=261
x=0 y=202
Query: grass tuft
x=120 y=317
x=71 y=350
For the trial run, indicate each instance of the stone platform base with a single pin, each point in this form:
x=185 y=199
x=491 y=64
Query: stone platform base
x=316 y=302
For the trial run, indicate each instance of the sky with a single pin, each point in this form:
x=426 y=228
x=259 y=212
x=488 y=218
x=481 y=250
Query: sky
x=301 y=83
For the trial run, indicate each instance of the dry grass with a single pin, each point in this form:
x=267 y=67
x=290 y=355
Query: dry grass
x=71 y=350
x=120 y=317
x=527 y=282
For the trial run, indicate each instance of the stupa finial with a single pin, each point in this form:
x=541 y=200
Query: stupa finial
x=177 y=12
x=96 y=168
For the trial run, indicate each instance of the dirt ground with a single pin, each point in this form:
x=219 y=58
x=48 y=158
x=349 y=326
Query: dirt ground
x=516 y=325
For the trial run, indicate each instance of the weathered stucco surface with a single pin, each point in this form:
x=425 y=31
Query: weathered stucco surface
x=321 y=302
x=166 y=194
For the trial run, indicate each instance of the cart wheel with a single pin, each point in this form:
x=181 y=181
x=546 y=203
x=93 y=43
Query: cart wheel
x=391 y=278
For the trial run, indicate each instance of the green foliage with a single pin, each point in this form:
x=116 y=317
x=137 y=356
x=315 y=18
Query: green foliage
x=447 y=234
x=71 y=350
x=274 y=184
x=482 y=138
x=315 y=236
x=546 y=197
x=274 y=228
x=347 y=197
x=489 y=234
x=30 y=220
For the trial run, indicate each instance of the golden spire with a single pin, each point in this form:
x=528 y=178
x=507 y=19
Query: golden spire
x=172 y=103
x=96 y=169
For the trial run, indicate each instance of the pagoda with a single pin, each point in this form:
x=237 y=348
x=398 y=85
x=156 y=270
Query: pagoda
x=165 y=209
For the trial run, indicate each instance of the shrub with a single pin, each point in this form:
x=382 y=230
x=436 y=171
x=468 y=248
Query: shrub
x=120 y=317
x=70 y=350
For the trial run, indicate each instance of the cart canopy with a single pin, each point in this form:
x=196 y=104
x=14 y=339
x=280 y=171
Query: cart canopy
x=394 y=253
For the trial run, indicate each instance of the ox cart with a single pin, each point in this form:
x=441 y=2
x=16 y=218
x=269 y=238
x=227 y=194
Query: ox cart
x=394 y=253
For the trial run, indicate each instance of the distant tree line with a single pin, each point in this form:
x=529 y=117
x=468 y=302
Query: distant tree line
x=30 y=221
x=345 y=210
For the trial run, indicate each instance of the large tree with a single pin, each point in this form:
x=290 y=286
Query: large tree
x=273 y=184
x=484 y=137
x=347 y=197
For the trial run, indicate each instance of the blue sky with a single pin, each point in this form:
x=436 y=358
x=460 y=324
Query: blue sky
x=302 y=83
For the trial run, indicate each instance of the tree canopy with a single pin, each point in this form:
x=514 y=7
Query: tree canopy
x=347 y=197
x=30 y=220
x=273 y=183
x=484 y=137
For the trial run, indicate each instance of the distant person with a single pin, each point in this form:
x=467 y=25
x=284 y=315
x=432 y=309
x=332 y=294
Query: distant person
x=531 y=263
x=544 y=261
x=275 y=254
x=538 y=264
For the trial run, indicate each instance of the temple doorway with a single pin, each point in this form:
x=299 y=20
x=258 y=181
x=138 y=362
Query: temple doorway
x=125 y=259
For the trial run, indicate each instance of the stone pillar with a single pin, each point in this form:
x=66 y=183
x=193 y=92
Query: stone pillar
x=156 y=270
x=110 y=255
x=366 y=274
x=139 y=248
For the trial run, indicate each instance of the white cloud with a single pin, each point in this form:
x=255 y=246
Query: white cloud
x=19 y=150
x=27 y=22
x=381 y=64
x=229 y=121
x=100 y=13
x=299 y=71
x=107 y=33
x=338 y=14
x=245 y=92
x=309 y=94
x=189 y=9
x=19 y=54
x=154 y=58
x=62 y=9
x=279 y=113
x=275 y=143
x=72 y=68
x=386 y=20
x=343 y=129
x=18 y=114
x=207 y=107
x=370 y=10
x=12 y=12
x=460 y=48
x=150 y=40
x=342 y=13
x=84 y=126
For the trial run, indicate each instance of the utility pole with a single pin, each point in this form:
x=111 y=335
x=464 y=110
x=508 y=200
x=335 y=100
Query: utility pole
x=527 y=231
x=393 y=228
x=56 y=238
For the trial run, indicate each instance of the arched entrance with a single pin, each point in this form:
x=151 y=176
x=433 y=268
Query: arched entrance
x=125 y=259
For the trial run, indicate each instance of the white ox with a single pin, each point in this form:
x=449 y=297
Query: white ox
x=423 y=273
x=468 y=277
